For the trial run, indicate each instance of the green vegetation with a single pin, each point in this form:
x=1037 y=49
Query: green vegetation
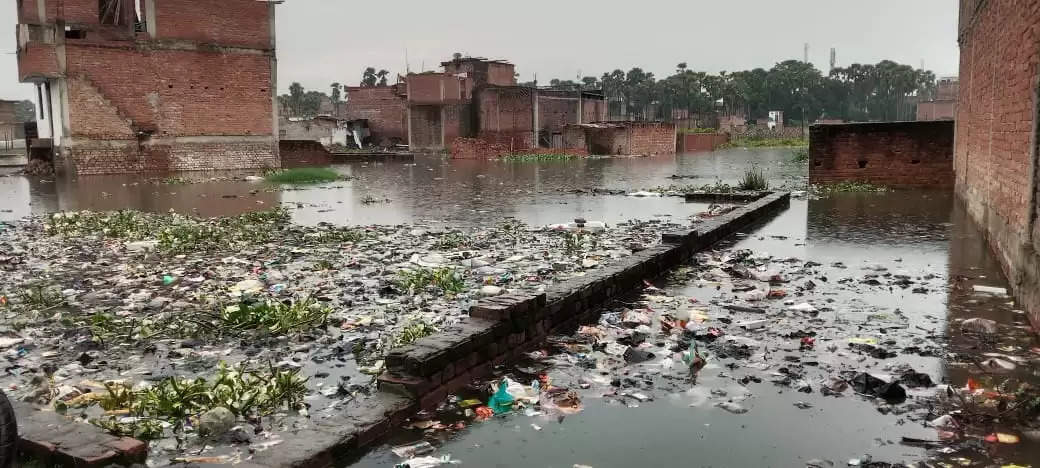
x=303 y=175
x=413 y=332
x=245 y=392
x=754 y=179
x=801 y=155
x=40 y=296
x=175 y=233
x=717 y=187
x=341 y=235
x=756 y=142
x=451 y=240
x=537 y=157
x=849 y=186
x=445 y=279
x=274 y=316
x=697 y=130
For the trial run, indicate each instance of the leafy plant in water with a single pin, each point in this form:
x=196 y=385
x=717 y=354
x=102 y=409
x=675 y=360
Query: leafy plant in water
x=538 y=157
x=413 y=332
x=754 y=179
x=40 y=296
x=418 y=279
x=303 y=175
x=274 y=316
x=246 y=392
x=175 y=233
x=448 y=280
x=340 y=235
x=323 y=265
x=451 y=240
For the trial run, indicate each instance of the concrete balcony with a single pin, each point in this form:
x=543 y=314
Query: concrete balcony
x=37 y=53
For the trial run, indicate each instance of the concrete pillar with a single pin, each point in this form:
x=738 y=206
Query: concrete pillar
x=534 y=97
x=149 y=19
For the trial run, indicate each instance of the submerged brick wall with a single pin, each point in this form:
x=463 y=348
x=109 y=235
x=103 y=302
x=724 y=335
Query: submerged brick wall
x=303 y=153
x=893 y=154
x=701 y=141
x=631 y=138
x=90 y=157
x=995 y=158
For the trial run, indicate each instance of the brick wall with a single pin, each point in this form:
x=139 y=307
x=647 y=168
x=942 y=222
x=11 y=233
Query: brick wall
x=313 y=129
x=937 y=110
x=7 y=114
x=509 y=110
x=631 y=138
x=38 y=60
x=178 y=92
x=88 y=157
x=479 y=148
x=426 y=127
x=555 y=112
x=893 y=154
x=996 y=154
x=701 y=141
x=303 y=153
x=241 y=23
x=386 y=111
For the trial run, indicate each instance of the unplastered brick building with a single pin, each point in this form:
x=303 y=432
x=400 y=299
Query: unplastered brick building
x=995 y=147
x=152 y=85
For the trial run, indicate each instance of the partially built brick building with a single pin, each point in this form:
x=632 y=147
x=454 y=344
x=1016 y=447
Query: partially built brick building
x=472 y=97
x=152 y=85
x=997 y=127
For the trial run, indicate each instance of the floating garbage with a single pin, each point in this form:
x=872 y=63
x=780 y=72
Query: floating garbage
x=979 y=325
x=989 y=290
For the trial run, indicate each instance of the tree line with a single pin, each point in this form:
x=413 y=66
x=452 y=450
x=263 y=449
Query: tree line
x=303 y=103
x=860 y=92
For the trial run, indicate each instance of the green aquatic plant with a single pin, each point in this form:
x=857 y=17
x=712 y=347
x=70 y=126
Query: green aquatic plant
x=538 y=157
x=754 y=179
x=303 y=175
x=274 y=316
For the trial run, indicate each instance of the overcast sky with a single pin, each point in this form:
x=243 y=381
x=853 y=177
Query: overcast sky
x=322 y=41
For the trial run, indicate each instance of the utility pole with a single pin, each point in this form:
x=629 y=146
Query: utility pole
x=834 y=59
x=806 y=52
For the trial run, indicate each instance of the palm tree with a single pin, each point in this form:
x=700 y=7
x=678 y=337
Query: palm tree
x=335 y=98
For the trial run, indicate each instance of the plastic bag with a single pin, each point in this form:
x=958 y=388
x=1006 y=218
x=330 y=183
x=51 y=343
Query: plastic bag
x=501 y=402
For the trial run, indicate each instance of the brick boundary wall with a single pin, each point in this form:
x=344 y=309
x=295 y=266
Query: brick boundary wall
x=892 y=154
x=478 y=148
x=94 y=157
x=997 y=158
x=687 y=142
x=303 y=153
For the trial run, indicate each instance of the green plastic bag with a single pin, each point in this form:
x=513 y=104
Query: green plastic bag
x=501 y=401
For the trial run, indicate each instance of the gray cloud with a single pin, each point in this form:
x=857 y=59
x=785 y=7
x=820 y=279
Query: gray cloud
x=321 y=41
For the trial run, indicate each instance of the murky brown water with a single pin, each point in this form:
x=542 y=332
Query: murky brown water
x=431 y=189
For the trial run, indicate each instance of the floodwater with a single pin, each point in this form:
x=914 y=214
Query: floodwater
x=918 y=232
x=433 y=189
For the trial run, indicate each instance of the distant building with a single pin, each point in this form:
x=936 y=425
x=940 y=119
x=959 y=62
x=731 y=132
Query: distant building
x=126 y=86
x=472 y=97
x=944 y=106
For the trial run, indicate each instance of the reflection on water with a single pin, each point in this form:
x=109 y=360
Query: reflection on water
x=456 y=192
